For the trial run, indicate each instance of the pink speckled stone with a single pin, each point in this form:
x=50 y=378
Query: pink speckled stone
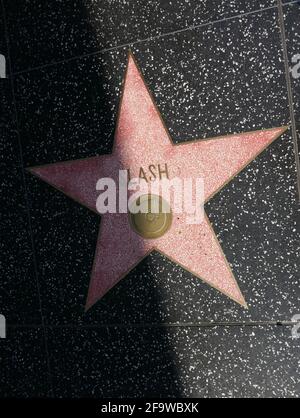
x=142 y=139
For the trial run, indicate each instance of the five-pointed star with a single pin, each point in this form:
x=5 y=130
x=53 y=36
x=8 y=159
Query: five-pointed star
x=141 y=139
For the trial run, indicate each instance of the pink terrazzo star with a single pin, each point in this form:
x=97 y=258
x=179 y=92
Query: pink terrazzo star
x=141 y=139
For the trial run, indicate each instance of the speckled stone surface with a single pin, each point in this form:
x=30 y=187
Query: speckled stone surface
x=218 y=362
x=19 y=300
x=70 y=28
x=216 y=79
x=292 y=25
x=2 y=31
x=6 y=111
x=23 y=363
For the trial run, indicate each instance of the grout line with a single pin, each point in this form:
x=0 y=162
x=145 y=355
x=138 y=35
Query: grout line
x=140 y=41
x=16 y=122
x=161 y=325
x=289 y=91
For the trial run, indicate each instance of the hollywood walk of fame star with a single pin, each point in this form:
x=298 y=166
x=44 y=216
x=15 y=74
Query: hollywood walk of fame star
x=142 y=140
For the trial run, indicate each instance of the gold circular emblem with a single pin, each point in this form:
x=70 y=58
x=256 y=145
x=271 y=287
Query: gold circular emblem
x=154 y=217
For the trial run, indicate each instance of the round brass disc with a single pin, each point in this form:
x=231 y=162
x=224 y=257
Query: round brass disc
x=154 y=218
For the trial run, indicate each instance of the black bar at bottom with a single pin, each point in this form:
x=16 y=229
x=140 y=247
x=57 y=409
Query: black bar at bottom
x=102 y=407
